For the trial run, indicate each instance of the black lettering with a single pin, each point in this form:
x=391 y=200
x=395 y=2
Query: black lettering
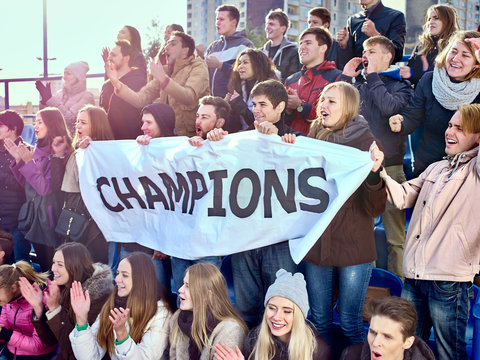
x=285 y=198
x=193 y=176
x=255 y=197
x=152 y=198
x=131 y=193
x=104 y=181
x=313 y=192
x=182 y=188
x=217 y=176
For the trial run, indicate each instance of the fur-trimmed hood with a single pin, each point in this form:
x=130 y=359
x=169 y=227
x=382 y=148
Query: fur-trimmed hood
x=100 y=283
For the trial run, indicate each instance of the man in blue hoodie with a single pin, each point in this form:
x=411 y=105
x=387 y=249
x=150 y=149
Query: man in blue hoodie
x=383 y=93
x=221 y=54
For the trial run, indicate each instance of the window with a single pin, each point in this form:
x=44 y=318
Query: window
x=349 y=6
x=306 y=13
x=354 y=8
x=334 y=3
x=319 y=2
x=334 y=16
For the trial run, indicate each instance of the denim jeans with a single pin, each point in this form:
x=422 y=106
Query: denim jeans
x=445 y=305
x=253 y=272
x=162 y=268
x=113 y=256
x=352 y=289
x=21 y=247
x=180 y=265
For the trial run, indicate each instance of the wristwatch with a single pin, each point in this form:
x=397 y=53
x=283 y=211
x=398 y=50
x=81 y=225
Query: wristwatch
x=301 y=106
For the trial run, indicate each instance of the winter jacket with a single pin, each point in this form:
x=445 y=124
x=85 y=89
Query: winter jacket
x=416 y=65
x=348 y=239
x=16 y=316
x=418 y=351
x=443 y=238
x=323 y=351
x=56 y=326
x=122 y=116
x=11 y=192
x=381 y=96
x=226 y=50
x=44 y=191
x=228 y=332
x=69 y=104
x=332 y=54
x=388 y=22
x=309 y=83
x=425 y=110
x=187 y=83
x=152 y=346
x=286 y=59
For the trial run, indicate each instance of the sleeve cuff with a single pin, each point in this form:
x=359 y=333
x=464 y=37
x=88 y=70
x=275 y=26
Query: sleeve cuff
x=122 y=341
x=51 y=314
x=81 y=328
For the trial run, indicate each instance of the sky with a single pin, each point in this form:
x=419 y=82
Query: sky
x=77 y=30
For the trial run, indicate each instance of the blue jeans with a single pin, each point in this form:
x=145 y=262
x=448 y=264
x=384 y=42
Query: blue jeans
x=352 y=289
x=180 y=265
x=113 y=256
x=21 y=247
x=253 y=272
x=162 y=268
x=445 y=305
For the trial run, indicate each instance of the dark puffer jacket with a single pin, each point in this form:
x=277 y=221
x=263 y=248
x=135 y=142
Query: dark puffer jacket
x=12 y=194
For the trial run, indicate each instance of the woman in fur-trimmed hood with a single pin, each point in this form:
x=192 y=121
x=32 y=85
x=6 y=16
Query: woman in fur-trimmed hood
x=55 y=320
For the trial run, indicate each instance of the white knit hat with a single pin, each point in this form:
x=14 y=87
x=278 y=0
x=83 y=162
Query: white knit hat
x=79 y=69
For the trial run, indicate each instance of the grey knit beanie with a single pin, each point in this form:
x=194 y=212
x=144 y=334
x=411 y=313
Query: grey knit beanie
x=292 y=287
x=79 y=69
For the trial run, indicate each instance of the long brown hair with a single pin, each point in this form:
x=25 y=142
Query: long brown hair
x=262 y=66
x=56 y=126
x=208 y=290
x=448 y=16
x=9 y=274
x=142 y=301
x=99 y=125
x=79 y=266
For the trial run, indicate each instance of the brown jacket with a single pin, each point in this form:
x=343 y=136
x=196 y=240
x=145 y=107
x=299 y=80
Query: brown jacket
x=443 y=238
x=188 y=83
x=349 y=239
x=57 y=328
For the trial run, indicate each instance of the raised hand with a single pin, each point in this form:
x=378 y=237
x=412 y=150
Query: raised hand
x=224 y=352
x=52 y=296
x=85 y=142
x=12 y=149
x=395 y=122
x=350 y=68
x=143 y=139
x=59 y=145
x=156 y=70
x=196 y=141
x=405 y=72
x=377 y=156
x=119 y=317
x=33 y=294
x=476 y=44
x=105 y=53
x=213 y=62
x=25 y=152
x=80 y=303
x=342 y=37
x=216 y=134
x=369 y=29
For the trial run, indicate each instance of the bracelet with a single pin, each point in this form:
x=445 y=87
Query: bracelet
x=121 y=342
x=81 y=328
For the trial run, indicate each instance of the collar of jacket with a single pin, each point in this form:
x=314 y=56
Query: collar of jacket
x=455 y=160
x=374 y=9
x=181 y=63
x=317 y=69
x=236 y=34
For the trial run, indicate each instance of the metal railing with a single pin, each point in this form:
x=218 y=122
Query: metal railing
x=49 y=78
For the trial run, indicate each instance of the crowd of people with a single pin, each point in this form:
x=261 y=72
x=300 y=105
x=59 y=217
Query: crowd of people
x=103 y=299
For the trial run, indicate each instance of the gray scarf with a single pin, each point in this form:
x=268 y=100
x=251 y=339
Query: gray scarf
x=451 y=94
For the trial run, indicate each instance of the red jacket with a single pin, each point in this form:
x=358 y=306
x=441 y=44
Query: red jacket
x=309 y=83
x=17 y=316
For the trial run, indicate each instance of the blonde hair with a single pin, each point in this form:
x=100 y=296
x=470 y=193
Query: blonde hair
x=460 y=36
x=10 y=274
x=470 y=118
x=208 y=291
x=302 y=344
x=350 y=101
x=448 y=16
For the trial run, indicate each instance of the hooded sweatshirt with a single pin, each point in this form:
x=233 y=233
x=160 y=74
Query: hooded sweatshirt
x=286 y=58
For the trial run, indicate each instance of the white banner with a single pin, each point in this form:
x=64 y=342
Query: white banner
x=246 y=191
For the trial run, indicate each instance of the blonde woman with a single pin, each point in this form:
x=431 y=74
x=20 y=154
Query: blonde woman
x=206 y=316
x=284 y=333
x=133 y=323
